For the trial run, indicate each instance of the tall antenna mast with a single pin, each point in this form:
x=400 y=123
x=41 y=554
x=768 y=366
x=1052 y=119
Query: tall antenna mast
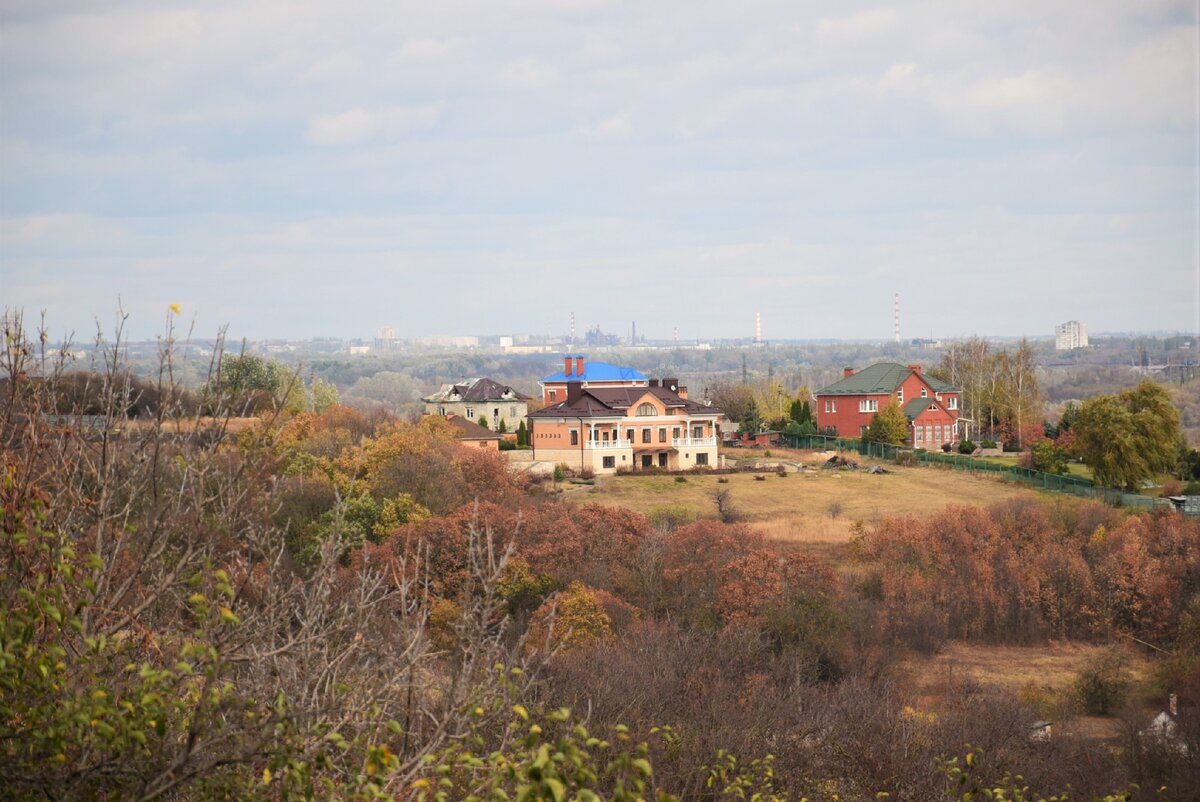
x=758 y=328
x=572 y=329
x=896 y=302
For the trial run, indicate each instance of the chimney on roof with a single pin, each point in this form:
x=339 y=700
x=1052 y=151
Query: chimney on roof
x=671 y=384
x=566 y=366
x=915 y=368
x=847 y=372
x=653 y=383
x=579 y=365
x=683 y=393
x=1173 y=704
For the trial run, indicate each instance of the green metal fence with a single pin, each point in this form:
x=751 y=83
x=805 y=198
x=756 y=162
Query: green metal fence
x=1075 y=485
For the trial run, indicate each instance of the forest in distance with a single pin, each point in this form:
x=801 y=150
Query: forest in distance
x=336 y=601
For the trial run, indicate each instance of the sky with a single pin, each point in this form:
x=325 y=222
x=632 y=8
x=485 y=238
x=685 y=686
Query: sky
x=297 y=169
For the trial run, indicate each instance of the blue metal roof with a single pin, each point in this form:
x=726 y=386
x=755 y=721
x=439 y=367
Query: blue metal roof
x=598 y=372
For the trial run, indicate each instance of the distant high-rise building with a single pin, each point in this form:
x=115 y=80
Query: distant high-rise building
x=1071 y=334
x=385 y=339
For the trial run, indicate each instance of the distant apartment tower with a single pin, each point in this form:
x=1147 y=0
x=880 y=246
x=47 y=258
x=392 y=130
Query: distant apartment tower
x=1071 y=334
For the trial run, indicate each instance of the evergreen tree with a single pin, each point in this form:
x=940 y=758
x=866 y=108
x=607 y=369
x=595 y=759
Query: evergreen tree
x=522 y=435
x=751 y=423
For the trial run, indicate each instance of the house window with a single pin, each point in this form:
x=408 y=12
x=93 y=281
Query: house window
x=646 y=409
x=495 y=414
x=953 y=402
x=702 y=458
x=697 y=432
x=630 y=433
x=574 y=437
x=553 y=395
x=868 y=405
x=470 y=412
x=512 y=412
x=830 y=405
x=917 y=435
x=900 y=396
x=675 y=432
x=933 y=407
x=442 y=411
x=929 y=432
x=610 y=462
x=662 y=434
x=862 y=430
x=645 y=435
x=937 y=433
x=924 y=393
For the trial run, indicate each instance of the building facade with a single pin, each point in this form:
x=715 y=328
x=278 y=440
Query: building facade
x=931 y=406
x=1070 y=335
x=605 y=426
x=473 y=399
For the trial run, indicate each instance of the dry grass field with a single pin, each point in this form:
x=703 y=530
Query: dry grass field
x=1047 y=671
x=815 y=510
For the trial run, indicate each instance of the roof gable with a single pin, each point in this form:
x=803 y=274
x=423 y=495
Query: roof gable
x=476 y=391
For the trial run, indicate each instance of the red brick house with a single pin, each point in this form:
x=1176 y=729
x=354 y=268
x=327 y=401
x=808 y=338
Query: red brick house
x=931 y=406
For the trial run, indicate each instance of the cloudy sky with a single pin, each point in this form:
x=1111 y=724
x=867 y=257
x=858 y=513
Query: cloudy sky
x=296 y=169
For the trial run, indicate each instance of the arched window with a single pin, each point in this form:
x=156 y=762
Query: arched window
x=646 y=409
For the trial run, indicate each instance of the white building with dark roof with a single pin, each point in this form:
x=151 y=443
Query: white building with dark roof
x=473 y=399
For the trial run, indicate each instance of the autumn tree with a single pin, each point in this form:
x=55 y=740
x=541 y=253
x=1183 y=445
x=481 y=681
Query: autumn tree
x=158 y=641
x=999 y=388
x=890 y=425
x=732 y=398
x=248 y=382
x=1129 y=437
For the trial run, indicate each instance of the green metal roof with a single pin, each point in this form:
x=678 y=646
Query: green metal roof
x=879 y=379
x=882 y=378
x=938 y=385
x=918 y=405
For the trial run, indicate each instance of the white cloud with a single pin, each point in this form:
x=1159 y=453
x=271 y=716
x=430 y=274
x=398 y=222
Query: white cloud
x=615 y=128
x=423 y=50
x=356 y=126
x=862 y=25
x=526 y=74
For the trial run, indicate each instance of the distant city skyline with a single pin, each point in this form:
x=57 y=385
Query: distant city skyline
x=301 y=170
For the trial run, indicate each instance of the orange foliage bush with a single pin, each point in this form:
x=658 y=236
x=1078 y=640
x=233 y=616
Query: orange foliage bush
x=1021 y=571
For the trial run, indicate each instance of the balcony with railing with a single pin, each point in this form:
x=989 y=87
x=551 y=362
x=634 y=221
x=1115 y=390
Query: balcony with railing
x=693 y=442
x=608 y=444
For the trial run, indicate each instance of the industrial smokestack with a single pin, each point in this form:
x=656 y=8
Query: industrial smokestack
x=896 y=302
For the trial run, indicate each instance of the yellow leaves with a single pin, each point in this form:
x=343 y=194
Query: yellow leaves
x=175 y=308
x=229 y=617
x=266 y=776
x=521 y=711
